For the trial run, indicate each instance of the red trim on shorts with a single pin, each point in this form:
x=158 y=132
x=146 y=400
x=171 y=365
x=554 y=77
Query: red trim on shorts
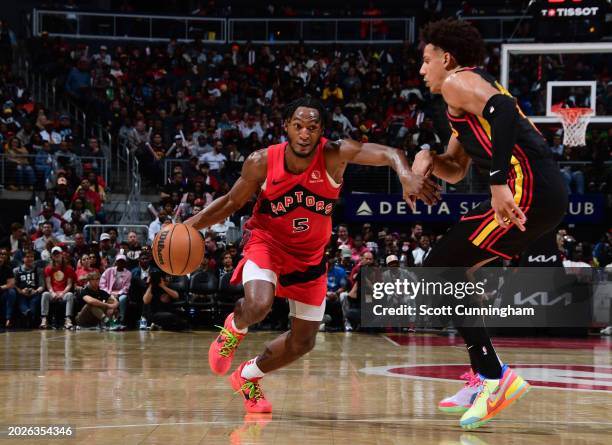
x=469 y=218
x=484 y=223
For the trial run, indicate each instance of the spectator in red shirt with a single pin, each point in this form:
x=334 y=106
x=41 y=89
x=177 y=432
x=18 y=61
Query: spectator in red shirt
x=59 y=282
x=90 y=195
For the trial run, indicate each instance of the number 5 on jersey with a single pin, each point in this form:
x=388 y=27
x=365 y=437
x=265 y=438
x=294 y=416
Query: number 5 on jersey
x=300 y=225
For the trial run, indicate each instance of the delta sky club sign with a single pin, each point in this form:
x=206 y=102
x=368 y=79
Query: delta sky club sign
x=564 y=377
x=379 y=207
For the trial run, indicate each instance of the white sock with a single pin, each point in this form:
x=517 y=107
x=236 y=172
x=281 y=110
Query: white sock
x=240 y=331
x=251 y=370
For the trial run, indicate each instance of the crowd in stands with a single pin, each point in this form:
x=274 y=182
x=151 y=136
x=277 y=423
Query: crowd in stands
x=49 y=279
x=207 y=109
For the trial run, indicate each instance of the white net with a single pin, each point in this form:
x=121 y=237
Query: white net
x=575 y=122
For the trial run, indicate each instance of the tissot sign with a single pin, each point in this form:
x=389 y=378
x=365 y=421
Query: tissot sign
x=570 y=8
x=392 y=208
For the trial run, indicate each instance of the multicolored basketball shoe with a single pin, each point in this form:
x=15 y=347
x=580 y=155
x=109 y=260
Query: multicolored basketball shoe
x=254 y=399
x=221 y=351
x=493 y=397
x=461 y=402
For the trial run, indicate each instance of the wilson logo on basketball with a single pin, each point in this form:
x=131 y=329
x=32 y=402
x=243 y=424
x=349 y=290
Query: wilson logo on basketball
x=160 y=246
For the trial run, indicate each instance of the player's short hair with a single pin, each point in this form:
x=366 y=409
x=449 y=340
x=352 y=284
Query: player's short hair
x=459 y=38
x=308 y=102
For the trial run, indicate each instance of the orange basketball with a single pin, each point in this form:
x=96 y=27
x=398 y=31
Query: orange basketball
x=178 y=249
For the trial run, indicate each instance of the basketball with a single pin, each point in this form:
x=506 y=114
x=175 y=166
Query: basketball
x=178 y=249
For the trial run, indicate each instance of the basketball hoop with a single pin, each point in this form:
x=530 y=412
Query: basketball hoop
x=575 y=122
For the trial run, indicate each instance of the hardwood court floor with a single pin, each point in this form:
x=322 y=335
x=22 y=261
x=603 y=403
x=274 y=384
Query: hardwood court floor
x=156 y=388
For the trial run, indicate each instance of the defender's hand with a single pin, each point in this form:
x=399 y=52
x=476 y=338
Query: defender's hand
x=419 y=186
x=423 y=163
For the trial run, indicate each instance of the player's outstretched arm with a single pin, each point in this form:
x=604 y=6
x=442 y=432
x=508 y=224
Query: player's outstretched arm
x=251 y=178
x=414 y=185
x=451 y=166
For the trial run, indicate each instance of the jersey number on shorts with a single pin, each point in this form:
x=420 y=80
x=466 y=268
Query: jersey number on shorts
x=300 y=225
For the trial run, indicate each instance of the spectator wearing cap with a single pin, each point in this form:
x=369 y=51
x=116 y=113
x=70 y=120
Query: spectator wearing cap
x=422 y=251
x=62 y=191
x=346 y=257
x=8 y=295
x=336 y=284
x=179 y=149
x=116 y=282
x=64 y=127
x=107 y=251
x=98 y=306
x=103 y=56
x=59 y=283
x=393 y=273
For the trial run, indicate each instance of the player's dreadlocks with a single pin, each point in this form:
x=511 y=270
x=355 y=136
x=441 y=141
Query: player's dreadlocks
x=308 y=102
x=459 y=38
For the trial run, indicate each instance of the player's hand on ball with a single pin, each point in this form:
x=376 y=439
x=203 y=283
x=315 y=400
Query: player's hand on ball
x=506 y=210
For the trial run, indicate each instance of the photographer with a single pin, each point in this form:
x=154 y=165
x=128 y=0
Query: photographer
x=158 y=308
